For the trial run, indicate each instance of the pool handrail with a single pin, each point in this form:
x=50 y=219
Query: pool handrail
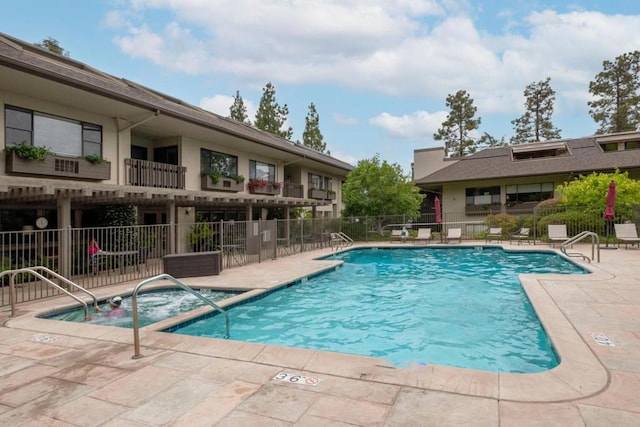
x=34 y=271
x=595 y=245
x=164 y=276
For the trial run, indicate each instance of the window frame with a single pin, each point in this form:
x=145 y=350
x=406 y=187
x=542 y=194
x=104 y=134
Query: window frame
x=207 y=164
x=271 y=174
x=90 y=134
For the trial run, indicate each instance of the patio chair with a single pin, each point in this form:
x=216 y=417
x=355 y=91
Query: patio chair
x=557 y=233
x=424 y=235
x=628 y=234
x=454 y=234
x=494 y=233
x=396 y=235
x=522 y=235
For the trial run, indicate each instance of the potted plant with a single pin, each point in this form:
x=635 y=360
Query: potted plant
x=262 y=186
x=213 y=180
x=28 y=152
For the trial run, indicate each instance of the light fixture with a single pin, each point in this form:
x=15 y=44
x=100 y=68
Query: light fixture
x=187 y=211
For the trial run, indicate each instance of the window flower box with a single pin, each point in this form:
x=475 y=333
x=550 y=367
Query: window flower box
x=58 y=167
x=317 y=193
x=223 y=184
x=260 y=186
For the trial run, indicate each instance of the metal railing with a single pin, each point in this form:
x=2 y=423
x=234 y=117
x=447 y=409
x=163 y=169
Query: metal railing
x=39 y=272
x=134 y=307
x=595 y=245
x=144 y=173
x=136 y=252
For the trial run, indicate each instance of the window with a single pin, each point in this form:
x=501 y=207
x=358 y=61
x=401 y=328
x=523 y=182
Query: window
x=611 y=146
x=529 y=193
x=319 y=182
x=483 y=196
x=631 y=145
x=224 y=164
x=62 y=136
x=260 y=170
x=539 y=150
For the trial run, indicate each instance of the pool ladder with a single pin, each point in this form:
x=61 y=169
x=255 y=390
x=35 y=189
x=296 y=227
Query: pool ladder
x=595 y=245
x=134 y=307
x=41 y=273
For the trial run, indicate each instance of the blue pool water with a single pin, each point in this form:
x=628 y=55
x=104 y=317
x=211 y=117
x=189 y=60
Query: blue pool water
x=153 y=306
x=460 y=307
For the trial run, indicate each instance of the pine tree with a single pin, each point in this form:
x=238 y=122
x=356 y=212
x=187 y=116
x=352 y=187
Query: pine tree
x=312 y=137
x=616 y=90
x=270 y=116
x=460 y=122
x=489 y=141
x=238 y=111
x=52 y=45
x=535 y=124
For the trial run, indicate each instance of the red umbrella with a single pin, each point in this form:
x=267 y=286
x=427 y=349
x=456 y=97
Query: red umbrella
x=438 y=210
x=609 y=213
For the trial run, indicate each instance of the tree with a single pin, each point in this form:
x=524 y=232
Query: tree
x=616 y=90
x=489 y=141
x=270 y=116
x=312 y=137
x=535 y=124
x=52 y=45
x=238 y=111
x=590 y=191
x=376 y=188
x=460 y=122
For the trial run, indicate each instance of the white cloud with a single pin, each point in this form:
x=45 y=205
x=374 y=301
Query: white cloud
x=344 y=120
x=396 y=47
x=420 y=125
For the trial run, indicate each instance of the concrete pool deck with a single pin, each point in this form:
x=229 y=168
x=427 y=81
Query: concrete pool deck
x=66 y=374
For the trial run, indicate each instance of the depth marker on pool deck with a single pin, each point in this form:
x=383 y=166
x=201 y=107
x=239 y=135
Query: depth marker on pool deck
x=297 y=379
x=602 y=339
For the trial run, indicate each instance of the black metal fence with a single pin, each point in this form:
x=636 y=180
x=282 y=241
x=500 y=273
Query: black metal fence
x=136 y=252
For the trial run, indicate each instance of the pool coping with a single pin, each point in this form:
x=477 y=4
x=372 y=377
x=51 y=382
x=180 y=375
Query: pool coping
x=580 y=373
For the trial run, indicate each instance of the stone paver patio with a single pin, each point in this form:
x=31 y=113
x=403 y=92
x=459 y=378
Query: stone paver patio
x=55 y=373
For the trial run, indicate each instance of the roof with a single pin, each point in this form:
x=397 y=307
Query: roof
x=28 y=58
x=584 y=156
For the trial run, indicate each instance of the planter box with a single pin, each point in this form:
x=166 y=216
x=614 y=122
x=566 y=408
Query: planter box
x=483 y=209
x=193 y=264
x=316 y=193
x=224 y=184
x=268 y=189
x=59 y=166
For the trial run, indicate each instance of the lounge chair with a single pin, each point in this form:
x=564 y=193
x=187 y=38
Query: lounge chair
x=424 y=235
x=557 y=233
x=454 y=234
x=494 y=233
x=627 y=234
x=396 y=235
x=521 y=235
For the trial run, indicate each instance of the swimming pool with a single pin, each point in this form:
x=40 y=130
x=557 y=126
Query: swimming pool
x=153 y=306
x=460 y=307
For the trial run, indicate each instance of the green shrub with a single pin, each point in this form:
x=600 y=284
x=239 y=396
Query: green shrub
x=29 y=152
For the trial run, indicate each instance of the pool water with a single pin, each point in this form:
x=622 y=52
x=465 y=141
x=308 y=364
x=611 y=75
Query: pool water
x=153 y=306
x=460 y=307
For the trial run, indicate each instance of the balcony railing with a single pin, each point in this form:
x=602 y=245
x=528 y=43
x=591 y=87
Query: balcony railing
x=293 y=190
x=143 y=173
x=318 y=193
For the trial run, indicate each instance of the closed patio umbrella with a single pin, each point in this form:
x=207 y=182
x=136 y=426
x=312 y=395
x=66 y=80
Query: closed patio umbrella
x=438 y=210
x=609 y=212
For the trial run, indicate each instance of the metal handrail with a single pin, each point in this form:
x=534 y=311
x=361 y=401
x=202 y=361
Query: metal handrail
x=134 y=307
x=34 y=271
x=595 y=243
x=346 y=238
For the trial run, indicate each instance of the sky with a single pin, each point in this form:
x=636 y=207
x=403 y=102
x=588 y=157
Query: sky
x=378 y=71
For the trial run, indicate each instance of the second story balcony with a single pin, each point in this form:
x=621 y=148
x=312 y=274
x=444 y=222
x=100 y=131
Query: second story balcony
x=144 y=173
x=290 y=189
